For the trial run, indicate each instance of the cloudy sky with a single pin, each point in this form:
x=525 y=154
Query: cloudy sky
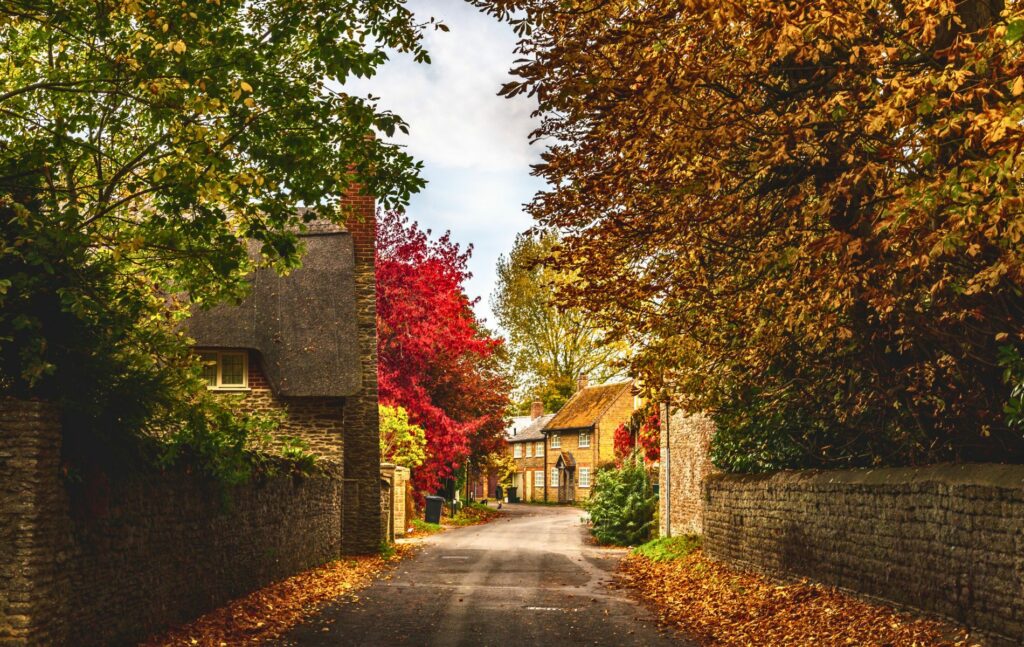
x=473 y=143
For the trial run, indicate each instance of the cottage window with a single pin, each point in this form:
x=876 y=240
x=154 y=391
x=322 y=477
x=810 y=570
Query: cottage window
x=539 y=451
x=554 y=476
x=556 y=441
x=584 y=477
x=584 y=439
x=517 y=450
x=538 y=478
x=225 y=370
x=529 y=450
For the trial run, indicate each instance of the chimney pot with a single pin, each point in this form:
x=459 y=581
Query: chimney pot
x=536 y=409
x=584 y=381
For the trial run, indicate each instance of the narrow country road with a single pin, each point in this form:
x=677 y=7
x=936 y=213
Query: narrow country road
x=526 y=578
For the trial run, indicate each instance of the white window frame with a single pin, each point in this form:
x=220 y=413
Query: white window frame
x=529 y=450
x=538 y=478
x=584 y=439
x=218 y=357
x=517 y=450
x=538 y=451
x=556 y=441
x=584 y=477
x=554 y=476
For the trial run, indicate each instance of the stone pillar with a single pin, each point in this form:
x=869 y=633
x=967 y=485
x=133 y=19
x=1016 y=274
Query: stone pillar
x=33 y=509
x=360 y=530
x=685 y=465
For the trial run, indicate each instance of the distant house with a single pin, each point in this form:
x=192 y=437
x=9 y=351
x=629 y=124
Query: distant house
x=581 y=437
x=304 y=345
x=527 y=447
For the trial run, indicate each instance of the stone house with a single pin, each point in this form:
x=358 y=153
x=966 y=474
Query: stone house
x=581 y=437
x=528 y=449
x=305 y=346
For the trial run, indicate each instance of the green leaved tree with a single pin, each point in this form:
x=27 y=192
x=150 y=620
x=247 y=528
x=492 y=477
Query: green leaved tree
x=401 y=442
x=550 y=345
x=143 y=147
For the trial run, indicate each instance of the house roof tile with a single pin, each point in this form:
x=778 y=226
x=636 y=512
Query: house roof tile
x=586 y=407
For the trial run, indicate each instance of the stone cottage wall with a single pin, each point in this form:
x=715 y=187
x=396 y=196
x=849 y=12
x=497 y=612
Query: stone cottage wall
x=319 y=422
x=685 y=446
x=109 y=561
x=944 y=539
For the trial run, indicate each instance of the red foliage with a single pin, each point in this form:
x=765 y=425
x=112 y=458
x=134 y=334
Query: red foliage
x=650 y=437
x=623 y=442
x=434 y=357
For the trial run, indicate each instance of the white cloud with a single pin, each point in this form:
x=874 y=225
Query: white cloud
x=456 y=118
x=474 y=144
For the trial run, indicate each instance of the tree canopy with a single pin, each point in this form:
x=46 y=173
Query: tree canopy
x=143 y=147
x=435 y=360
x=808 y=215
x=550 y=345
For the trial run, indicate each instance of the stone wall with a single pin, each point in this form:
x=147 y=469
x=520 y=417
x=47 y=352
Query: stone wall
x=317 y=421
x=944 y=539
x=685 y=443
x=99 y=561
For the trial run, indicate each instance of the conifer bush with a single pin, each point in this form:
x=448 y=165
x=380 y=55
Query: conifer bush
x=622 y=503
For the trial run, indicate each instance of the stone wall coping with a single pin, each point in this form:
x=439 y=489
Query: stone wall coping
x=979 y=474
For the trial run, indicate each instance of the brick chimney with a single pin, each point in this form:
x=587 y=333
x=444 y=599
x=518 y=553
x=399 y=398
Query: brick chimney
x=536 y=409
x=583 y=382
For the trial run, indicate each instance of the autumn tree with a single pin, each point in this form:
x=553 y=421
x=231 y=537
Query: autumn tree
x=808 y=215
x=435 y=359
x=401 y=442
x=143 y=148
x=550 y=345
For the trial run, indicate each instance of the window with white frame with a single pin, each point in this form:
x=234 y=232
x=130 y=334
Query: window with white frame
x=225 y=369
x=556 y=441
x=584 y=439
x=517 y=450
x=538 y=478
x=529 y=450
x=584 y=477
x=554 y=476
x=539 y=450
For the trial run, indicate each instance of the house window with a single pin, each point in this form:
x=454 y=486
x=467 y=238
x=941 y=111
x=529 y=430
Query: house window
x=539 y=451
x=517 y=450
x=556 y=441
x=584 y=439
x=529 y=450
x=538 y=478
x=584 y=477
x=554 y=476
x=225 y=370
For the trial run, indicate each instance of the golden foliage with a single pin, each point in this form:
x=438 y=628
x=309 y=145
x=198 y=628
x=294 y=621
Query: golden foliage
x=812 y=205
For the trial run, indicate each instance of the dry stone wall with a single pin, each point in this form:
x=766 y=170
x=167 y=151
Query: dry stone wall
x=944 y=539
x=104 y=561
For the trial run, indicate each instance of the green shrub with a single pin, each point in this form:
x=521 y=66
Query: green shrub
x=664 y=549
x=622 y=503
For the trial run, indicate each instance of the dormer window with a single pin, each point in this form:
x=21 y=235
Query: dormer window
x=225 y=370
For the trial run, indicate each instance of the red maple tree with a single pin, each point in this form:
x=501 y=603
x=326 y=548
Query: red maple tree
x=435 y=358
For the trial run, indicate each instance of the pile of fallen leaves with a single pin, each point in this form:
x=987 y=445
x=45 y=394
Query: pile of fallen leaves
x=271 y=611
x=718 y=605
x=472 y=515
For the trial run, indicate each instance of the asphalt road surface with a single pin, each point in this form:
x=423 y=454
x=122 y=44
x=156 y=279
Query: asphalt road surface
x=526 y=578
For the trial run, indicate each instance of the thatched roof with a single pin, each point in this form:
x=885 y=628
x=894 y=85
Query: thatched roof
x=585 y=408
x=303 y=325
